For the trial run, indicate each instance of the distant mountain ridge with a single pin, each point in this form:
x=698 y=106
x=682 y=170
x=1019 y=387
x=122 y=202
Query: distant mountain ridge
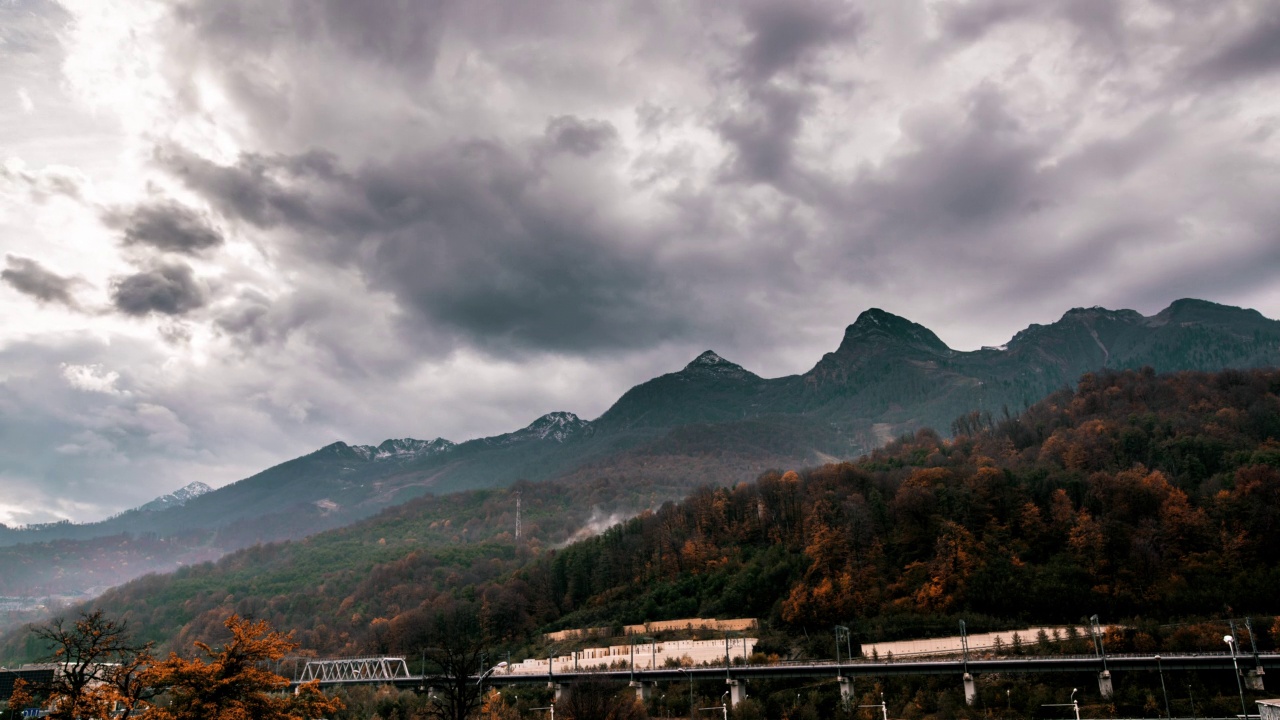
x=715 y=421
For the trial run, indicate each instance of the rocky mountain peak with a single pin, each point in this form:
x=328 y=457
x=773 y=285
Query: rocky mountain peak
x=555 y=426
x=178 y=497
x=1097 y=312
x=876 y=327
x=401 y=448
x=1189 y=310
x=709 y=363
x=708 y=359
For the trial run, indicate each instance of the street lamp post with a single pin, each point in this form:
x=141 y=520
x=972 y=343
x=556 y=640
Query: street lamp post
x=690 y=674
x=487 y=673
x=1074 y=704
x=1095 y=629
x=1163 y=690
x=653 y=653
x=727 y=660
x=1231 y=643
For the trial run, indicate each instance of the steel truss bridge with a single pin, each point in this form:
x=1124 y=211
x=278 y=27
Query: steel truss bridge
x=355 y=670
x=394 y=671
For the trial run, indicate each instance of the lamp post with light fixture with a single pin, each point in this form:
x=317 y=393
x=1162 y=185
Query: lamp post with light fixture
x=1231 y=643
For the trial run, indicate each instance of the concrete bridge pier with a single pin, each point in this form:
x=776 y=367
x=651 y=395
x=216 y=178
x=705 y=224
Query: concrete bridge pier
x=1104 y=684
x=846 y=690
x=737 y=691
x=562 y=691
x=644 y=690
x=970 y=690
x=1253 y=679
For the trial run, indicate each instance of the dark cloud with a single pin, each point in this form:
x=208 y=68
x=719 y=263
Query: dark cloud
x=167 y=288
x=1251 y=52
x=971 y=21
x=31 y=278
x=466 y=238
x=579 y=137
x=785 y=39
x=165 y=225
x=785 y=34
x=764 y=137
x=264 y=191
x=1096 y=23
x=247 y=320
x=972 y=174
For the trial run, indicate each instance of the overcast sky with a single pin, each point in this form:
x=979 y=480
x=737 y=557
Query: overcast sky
x=235 y=231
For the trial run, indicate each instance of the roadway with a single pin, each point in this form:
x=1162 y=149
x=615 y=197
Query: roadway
x=867 y=668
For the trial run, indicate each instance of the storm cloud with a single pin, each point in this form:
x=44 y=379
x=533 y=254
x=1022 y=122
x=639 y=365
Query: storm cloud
x=165 y=226
x=31 y=278
x=467 y=238
x=1250 y=52
x=580 y=137
x=167 y=289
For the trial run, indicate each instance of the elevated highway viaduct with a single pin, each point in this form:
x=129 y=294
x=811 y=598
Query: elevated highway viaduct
x=1252 y=667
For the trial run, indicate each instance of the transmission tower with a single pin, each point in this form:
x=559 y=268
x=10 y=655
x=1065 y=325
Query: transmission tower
x=517 y=515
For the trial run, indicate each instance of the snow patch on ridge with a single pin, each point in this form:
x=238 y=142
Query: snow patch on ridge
x=554 y=426
x=709 y=363
x=178 y=497
x=402 y=448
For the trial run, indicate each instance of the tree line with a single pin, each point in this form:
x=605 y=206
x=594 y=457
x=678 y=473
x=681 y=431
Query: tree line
x=99 y=673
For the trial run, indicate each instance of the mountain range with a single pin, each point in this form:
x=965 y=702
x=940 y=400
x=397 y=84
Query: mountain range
x=711 y=421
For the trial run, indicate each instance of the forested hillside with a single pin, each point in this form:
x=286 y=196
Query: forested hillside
x=1134 y=494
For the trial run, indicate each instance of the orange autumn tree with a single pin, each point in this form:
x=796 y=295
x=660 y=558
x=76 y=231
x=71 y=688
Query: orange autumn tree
x=494 y=708
x=20 y=699
x=232 y=684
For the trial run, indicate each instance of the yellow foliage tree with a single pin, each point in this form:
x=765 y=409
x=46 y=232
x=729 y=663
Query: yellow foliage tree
x=494 y=708
x=231 y=684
